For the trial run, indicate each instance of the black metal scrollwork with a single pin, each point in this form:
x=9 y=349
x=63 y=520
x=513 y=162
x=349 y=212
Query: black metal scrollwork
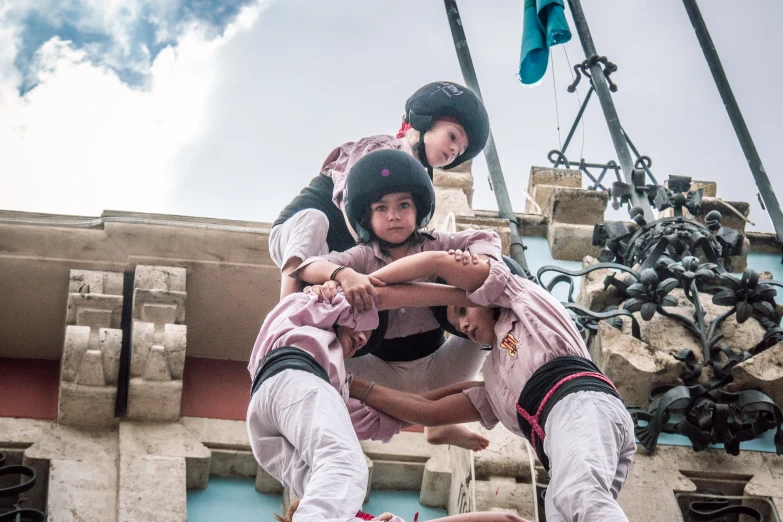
x=680 y=253
x=17 y=513
x=717 y=506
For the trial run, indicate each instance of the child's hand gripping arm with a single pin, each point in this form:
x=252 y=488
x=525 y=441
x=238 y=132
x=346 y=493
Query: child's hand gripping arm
x=359 y=289
x=437 y=408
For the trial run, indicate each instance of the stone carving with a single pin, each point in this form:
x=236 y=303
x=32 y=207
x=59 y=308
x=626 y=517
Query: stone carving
x=159 y=338
x=570 y=211
x=454 y=193
x=91 y=351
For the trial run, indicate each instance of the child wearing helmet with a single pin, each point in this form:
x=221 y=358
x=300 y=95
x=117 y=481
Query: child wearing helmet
x=445 y=124
x=539 y=382
x=389 y=200
x=299 y=428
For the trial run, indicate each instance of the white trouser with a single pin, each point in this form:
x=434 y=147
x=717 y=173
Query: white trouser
x=303 y=235
x=458 y=360
x=301 y=434
x=590 y=444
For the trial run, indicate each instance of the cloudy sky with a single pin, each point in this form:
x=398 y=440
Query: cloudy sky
x=227 y=108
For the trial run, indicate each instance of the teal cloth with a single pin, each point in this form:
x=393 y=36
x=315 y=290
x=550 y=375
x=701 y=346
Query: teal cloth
x=544 y=25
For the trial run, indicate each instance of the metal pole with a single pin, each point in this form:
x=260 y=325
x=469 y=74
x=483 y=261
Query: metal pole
x=737 y=121
x=498 y=182
x=126 y=320
x=610 y=113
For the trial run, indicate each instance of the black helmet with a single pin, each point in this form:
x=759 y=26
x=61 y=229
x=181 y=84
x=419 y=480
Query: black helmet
x=447 y=99
x=384 y=172
x=440 y=311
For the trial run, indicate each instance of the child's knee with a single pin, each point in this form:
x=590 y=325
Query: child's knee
x=312 y=217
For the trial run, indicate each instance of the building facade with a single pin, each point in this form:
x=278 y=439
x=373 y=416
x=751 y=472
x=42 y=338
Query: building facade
x=124 y=342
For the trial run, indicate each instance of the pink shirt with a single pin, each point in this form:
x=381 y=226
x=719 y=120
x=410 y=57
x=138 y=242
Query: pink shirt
x=339 y=162
x=301 y=321
x=532 y=322
x=368 y=258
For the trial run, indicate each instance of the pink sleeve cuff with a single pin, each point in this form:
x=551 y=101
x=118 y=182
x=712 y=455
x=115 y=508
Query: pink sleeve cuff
x=369 y=423
x=491 y=292
x=478 y=396
x=486 y=248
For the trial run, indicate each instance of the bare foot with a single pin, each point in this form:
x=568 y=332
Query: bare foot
x=456 y=435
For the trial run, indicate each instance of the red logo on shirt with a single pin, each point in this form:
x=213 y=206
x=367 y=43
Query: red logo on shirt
x=509 y=343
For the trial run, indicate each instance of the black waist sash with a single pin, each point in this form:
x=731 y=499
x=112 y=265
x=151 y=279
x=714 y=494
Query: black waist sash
x=548 y=385
x=287 y=358
x=318 y=195
x=410 y=347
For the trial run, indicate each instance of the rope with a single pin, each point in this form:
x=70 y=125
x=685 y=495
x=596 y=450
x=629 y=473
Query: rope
x=533 y=201
x=578 y=100
x=532 y=462
x=740 y=214
x=448 y=219
x=472 y=481
x=554 y=90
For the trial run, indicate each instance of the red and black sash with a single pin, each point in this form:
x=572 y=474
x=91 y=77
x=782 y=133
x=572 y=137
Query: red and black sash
x=548 y=385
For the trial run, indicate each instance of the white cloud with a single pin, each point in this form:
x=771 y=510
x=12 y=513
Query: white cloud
x=233 y=126
x=83 y=141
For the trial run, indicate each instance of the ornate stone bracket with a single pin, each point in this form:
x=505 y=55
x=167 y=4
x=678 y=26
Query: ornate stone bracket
x=159 y=338
x=91 y=352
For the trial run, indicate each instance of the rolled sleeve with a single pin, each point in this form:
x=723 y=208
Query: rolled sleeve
x=492 y=292
x=369 y=423
x=478 y=397
x=477 y=242
x=485 y=248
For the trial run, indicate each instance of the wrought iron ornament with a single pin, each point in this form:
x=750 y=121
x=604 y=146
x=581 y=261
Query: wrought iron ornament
x=558 y=156
x=17 y=513
x=677 y=252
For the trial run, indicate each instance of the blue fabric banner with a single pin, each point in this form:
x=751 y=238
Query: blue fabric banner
x=544 y=25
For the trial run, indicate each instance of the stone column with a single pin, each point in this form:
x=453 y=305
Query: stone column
x=570 y=210
x=79 y=469
x=158 y=462
x=453 y=193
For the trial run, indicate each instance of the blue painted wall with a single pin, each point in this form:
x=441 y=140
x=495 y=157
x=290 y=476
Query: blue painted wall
x=236 y=500
x=231 y=499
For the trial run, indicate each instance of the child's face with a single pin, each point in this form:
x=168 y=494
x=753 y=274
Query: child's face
x=477 y=322
x=444 y=142
x=352 y=340
x=393 y=217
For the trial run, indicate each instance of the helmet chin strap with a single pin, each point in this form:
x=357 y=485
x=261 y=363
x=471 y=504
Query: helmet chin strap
x=386 y=245
x=422 y=154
